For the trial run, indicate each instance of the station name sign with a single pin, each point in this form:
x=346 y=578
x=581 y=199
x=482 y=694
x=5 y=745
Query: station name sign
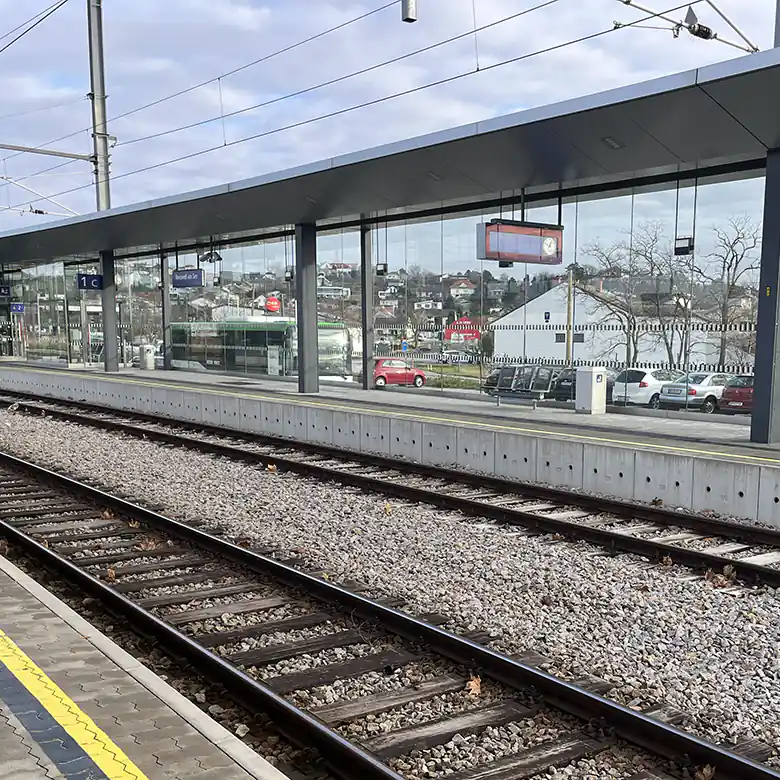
x=189 y=277
x=510 y=242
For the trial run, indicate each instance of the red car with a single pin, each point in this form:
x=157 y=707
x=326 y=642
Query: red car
x=737 y=396
x=394 y=371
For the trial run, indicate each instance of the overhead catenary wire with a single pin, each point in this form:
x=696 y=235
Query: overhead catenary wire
x=232 y=72
x=46 y=15
x=346 y=76
x=218 y=80
x=40 y=109
x=376 y=101
x=52 y=7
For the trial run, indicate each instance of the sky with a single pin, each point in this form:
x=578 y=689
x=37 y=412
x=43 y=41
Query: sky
x=154 y=49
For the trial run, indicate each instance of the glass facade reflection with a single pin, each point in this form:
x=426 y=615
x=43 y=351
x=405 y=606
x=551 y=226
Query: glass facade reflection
x=650 y=278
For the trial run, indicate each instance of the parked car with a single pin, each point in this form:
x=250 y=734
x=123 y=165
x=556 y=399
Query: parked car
x=531 y=381
x=564 y=388
x=737 y=396
x=694 y=391
x=642 y=387
x=394 y=371
x=459 y=356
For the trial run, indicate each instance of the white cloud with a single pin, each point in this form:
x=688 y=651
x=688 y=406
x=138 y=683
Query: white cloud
x=154 y=49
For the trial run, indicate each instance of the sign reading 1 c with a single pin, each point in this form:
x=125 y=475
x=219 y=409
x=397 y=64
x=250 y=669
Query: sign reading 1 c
x=89 y=281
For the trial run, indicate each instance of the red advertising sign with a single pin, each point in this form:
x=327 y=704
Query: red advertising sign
x=273 y=304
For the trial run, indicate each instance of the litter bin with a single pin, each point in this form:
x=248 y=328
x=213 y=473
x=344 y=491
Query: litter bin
x=147 y=357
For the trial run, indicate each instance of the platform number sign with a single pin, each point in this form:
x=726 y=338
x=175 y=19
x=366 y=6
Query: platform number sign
x=89 y=281
x=5 y=291
x=547 y=316
x=17 y=308
x=404 y=345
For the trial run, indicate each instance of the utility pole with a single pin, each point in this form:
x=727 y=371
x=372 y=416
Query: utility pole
x=777 y=25
x=570 y=317
x=97 y=79
x=100 y=139
x=100 y=157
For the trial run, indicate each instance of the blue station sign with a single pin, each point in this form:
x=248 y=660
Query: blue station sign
x=5 y=291
x=188 y=277
x=17 y=308
x=89 y=281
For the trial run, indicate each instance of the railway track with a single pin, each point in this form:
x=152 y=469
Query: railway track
x=301 y=635
x=727 y=552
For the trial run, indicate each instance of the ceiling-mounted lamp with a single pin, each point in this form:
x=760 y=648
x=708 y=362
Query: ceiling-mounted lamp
x=408 y=10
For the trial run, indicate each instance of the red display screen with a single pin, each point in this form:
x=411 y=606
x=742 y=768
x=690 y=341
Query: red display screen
x=517 y=242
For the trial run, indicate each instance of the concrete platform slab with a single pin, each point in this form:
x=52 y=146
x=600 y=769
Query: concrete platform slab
x=643 y=457
x=75 y=705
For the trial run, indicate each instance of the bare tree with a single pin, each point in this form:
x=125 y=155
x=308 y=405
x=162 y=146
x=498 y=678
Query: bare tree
x=417 y=320
x=648 y=293
x=663 y=300
x=727 y=275
x=618 y=303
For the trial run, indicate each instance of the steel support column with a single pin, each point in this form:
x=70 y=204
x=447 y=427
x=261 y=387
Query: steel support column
x=367 y=304
x=306 y=307
x=765 y=426
x=108 y=297
x=165 y=295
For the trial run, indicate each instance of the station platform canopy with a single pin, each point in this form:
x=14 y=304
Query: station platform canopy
x=719 y=116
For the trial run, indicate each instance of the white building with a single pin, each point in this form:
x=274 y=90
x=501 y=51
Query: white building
x=463 y=290
x=428 y=305
x=334 y=293
x=537 y=332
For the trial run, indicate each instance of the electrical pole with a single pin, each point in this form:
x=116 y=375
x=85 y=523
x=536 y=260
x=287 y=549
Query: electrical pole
x=570 y=317
x=98 y=97
x=777 y=25
x=100 y=138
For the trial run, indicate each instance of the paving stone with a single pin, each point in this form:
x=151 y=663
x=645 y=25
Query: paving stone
x=155 y=737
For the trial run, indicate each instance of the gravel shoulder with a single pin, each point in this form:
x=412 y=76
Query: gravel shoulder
x=657 y=635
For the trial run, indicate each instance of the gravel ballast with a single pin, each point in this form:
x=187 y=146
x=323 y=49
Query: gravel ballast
x=656 y=636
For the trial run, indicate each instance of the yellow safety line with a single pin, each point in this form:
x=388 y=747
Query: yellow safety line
x=92 y=740
x=259 y=396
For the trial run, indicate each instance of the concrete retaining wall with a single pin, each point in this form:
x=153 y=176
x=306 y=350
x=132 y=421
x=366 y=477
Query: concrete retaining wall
x=695 y=482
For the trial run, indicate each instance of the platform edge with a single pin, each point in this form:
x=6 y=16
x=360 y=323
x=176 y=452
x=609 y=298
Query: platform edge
x=231 y=745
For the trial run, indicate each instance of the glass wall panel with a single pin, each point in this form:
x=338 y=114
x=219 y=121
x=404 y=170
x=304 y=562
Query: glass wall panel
x=339 y=296
x=39 y=332
x=139 y=307
x=725 y=274
x=9 y=327
x=242 y=319
x=84 y=315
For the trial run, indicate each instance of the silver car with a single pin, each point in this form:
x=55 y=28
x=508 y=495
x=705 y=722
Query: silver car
x=694 y=391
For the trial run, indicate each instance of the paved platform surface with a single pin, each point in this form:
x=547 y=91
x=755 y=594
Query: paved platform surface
x=691 y=434
x=74 y=705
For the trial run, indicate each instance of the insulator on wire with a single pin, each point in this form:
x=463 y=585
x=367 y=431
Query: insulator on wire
x=701 y=31
x=408 y=10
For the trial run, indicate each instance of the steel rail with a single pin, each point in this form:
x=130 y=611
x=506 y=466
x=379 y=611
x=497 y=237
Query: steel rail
x=639 y=729
x=707 y=525
x=613 y=541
